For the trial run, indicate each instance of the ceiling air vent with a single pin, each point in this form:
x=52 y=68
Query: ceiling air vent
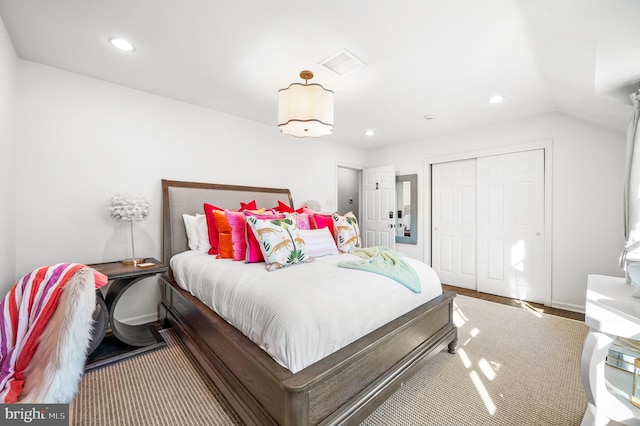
x=342 y=63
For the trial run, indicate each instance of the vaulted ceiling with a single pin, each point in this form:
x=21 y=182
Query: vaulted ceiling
x=436 y=58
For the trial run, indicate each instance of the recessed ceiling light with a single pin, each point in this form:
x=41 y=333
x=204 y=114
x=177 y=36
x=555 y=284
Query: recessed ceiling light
x=121 y=44
x=370 y=132
x=429 y=117
x=496 y=99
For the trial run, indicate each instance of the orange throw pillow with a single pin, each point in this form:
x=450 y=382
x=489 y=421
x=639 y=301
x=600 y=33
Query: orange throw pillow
x=225 y=243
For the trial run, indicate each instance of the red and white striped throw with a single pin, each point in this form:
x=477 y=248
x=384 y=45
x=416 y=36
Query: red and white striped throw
x=24 y=313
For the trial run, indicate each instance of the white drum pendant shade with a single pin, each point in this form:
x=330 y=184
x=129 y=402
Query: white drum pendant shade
x=305 y=110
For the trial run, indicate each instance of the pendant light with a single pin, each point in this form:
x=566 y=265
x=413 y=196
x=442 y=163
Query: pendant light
x=305 y=110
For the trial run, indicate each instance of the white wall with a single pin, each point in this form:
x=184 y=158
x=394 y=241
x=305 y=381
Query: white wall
x=588 y=163
x=8 y=61
x=79 y=140
x=82 y=140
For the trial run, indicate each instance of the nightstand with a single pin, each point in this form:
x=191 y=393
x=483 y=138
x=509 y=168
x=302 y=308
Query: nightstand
x=610 y=311
x=113 y=340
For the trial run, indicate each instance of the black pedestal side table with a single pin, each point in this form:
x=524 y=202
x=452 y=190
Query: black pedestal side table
x=113 y=340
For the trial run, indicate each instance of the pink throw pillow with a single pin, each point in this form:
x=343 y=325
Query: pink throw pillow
x=238 y=233
x=302 y=220
x=253 y=253
x=320 y=220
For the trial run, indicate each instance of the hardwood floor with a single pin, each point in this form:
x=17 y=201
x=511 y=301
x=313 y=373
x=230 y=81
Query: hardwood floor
x=514 y=302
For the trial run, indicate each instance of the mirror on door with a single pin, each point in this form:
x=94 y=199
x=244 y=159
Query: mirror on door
x=407 y=205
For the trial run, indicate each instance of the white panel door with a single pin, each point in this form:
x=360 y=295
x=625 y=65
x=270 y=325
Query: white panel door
x=510 y=225
x=379 y=202
x=454 y=222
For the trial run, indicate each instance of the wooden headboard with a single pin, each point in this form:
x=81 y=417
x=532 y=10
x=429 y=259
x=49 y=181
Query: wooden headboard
x=180 y=197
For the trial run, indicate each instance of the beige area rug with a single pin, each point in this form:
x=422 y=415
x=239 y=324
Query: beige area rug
x=513 y=367
x=161 y=388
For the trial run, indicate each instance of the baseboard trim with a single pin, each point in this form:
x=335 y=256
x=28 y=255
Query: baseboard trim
x=568 y=307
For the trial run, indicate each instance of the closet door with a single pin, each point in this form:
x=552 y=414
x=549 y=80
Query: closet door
x=453 y=221
x=510 y=225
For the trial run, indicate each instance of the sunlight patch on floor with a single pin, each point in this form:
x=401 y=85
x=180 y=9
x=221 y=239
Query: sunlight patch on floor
x=459 y=318
x=488 y=368
x=464 y=358
x=482 y=391
x=527 y=307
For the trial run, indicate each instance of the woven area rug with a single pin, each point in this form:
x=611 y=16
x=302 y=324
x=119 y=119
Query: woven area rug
x=513 y=366
x=161 y=388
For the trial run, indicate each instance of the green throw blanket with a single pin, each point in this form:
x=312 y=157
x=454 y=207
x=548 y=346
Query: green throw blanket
x=387 y=262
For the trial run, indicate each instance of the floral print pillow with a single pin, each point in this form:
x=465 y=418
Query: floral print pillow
x=280 y=242
x=346 y=231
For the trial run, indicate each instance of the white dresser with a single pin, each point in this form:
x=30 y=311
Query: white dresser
x=610 y=311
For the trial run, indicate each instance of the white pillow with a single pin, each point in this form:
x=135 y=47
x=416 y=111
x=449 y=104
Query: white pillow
x=319 y=242
x=191 y=228
x=203 y=233
x=197 y=234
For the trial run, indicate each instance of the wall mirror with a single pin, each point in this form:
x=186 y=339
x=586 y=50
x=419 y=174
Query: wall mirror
x=407 y=205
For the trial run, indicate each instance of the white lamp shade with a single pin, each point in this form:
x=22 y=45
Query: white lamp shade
x=305 y=110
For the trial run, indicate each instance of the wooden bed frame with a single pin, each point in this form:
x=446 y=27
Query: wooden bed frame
x=342 y=388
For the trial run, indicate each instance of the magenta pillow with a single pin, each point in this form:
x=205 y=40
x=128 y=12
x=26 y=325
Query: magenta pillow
x=238 y=233
x=319 y=220
x=253 y=253
x=323 y=221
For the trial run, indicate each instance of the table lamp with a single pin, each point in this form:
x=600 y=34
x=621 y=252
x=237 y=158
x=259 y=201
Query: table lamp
x=131 y=208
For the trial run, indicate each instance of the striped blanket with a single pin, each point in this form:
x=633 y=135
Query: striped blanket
x=24 y=313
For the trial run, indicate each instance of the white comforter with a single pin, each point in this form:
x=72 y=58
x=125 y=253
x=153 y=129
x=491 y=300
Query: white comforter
x=305 y=312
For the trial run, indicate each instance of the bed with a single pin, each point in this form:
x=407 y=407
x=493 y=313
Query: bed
x=341 y=388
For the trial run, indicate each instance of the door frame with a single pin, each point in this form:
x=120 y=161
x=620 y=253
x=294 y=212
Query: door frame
x=547 y=146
